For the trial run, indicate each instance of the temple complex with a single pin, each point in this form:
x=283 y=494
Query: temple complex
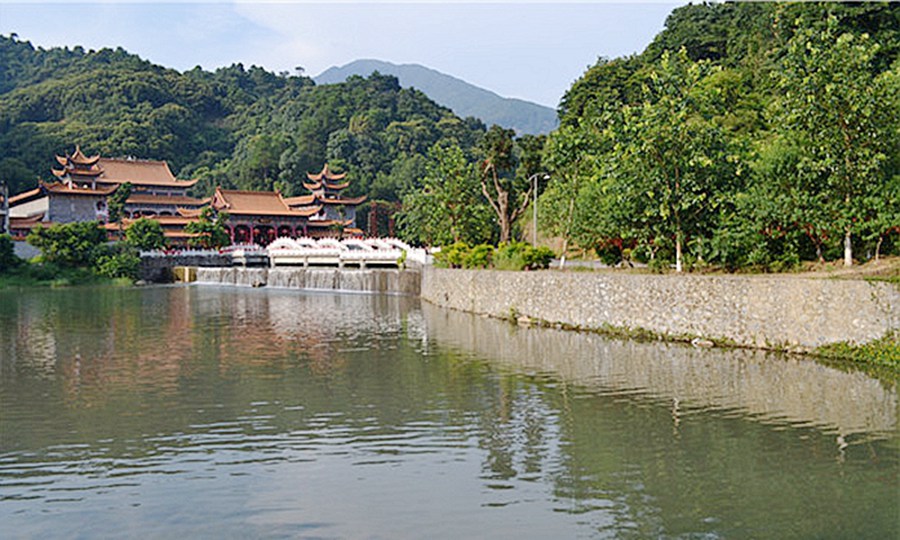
x=84 y=183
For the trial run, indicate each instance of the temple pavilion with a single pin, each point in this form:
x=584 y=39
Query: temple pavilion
x=84 y=184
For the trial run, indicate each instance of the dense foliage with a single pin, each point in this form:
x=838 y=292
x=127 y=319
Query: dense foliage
x=235 y=127
x=506 y=256
x=744 y=135
x=145 y=234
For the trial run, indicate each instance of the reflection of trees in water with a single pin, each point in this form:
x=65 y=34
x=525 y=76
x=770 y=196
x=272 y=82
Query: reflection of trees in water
x=657 y=440
x=770 y=387
x=285 y=374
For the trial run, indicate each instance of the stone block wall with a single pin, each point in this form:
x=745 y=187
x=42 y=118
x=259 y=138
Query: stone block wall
x=756 y=311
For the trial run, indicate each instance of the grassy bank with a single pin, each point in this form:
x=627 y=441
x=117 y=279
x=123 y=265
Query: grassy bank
x=883 y=352
x=43 y=275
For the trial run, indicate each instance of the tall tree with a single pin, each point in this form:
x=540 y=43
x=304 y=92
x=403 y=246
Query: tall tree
x=448 y=208
x=672 y=161
x=833 y=107
x=507 y=193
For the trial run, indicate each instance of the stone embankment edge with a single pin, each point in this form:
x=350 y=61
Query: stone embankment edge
x=766 y=312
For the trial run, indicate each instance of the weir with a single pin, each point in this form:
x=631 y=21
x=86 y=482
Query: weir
x=376 y=281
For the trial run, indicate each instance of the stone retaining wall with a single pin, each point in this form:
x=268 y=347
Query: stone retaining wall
x=386 y=281
x=757 y=311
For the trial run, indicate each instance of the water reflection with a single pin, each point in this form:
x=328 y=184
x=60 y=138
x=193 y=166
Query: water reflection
x=210 y=412
x=766 y=386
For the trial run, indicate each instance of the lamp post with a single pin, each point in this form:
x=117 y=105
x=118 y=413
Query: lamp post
x=534 y=179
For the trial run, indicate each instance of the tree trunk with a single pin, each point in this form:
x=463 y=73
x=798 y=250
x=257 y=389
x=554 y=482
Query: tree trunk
x=878 y=247
x=848 y=249
x=678 y=266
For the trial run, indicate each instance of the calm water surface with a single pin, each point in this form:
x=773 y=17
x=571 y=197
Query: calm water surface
x=226 y=413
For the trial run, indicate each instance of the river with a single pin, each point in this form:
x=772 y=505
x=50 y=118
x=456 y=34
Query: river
x=214 y=412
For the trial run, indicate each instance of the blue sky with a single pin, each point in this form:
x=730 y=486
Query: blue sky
x=528 y=50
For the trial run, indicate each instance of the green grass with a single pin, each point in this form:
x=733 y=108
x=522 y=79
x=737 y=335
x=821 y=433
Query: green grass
x=43 y=275
x=881 y=352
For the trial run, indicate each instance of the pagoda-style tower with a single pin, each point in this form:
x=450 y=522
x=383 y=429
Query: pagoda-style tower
x=78 y=170
x=326 y=188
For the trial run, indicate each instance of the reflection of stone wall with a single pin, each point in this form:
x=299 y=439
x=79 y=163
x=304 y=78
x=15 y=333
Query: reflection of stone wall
x=767 y=386
x=332 y=279
x=750 y=310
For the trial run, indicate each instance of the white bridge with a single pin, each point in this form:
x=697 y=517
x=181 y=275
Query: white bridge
x=368 y=253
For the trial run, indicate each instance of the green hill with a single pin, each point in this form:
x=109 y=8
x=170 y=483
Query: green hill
x=235 y=127
x=463 y=98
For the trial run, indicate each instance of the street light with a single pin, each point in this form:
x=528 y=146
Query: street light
x=534 y=179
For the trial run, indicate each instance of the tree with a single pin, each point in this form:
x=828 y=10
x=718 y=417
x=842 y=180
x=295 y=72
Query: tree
x=671 y=160
x=71 y=245
x=8 y=257
x=116 y=203
x=448 y=207
x=210 y=229
x=569 y=156
x=834 y=107
x=507 y=193
x=145 y=234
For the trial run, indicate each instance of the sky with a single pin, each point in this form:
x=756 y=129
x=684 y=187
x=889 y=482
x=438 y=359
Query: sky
x=527 y=50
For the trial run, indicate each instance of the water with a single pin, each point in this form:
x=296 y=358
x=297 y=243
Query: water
x=207 y=412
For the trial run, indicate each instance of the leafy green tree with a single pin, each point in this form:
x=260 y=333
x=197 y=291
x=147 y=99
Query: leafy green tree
x=8 y=259
x=833 y=106
x=145 y=234
x=673 y=163
x=507 y=193
x=210 y=228
x=121 y=261
x=116 y=203
x=72 y=245
x=448 y=208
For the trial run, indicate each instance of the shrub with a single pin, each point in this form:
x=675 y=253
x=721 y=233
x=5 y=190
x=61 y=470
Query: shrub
x=479 y=256
x=69 y=245
x=8 y=259
x=145 y=234
x=119 y=263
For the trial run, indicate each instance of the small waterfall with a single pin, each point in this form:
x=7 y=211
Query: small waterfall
x=382 y=281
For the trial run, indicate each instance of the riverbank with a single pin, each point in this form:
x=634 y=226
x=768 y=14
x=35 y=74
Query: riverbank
x=787 y=313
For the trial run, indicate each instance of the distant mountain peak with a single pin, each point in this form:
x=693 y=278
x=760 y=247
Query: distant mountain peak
x=463 y=98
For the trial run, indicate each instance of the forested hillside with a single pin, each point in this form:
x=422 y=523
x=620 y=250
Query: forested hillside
x=746 y=134
x=240 y=128
x=463 y=98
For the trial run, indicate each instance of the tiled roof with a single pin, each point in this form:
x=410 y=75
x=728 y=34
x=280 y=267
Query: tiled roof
x=325 y=174
x=179 y=200
x=349 y=201
x=256 y=203
x=63 y=189
x=140 y=172
x=21 y=197
x=302 y=200
x=78 y=157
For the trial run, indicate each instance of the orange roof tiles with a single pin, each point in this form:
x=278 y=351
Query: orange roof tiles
x=80 y=159
x=302 y=200
x=140 y=172
x=25 y=195
x=344 y=200
x=58 y=187
x=269 y=203
x=142 y=198
x=325 y=174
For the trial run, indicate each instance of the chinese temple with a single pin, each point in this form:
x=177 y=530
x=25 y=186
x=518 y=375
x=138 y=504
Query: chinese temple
x=84 y=183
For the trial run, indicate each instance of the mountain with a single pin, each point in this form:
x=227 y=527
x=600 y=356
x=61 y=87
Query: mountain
x=235 y=127
x=463 y=98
